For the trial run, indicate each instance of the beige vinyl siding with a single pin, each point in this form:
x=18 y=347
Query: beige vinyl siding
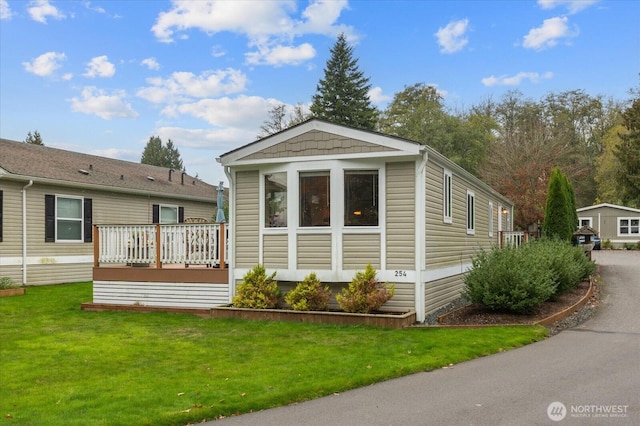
x=314 y=251
x=440 y=293
x=448 y=244
x=247 y=218
x=11 y=244
x=316 y=143
x=402 y=300
x=182 y=295
x=360 y=249
x=275 y=251
x=400 y=216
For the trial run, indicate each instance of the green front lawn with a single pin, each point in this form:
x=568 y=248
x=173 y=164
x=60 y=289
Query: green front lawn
x=62 y=366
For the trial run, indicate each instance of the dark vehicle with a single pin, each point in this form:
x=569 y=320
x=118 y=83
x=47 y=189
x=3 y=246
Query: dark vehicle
x=596 y=242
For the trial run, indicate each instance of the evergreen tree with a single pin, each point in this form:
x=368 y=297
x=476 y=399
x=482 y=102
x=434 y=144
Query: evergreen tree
x=34 y=139
x=559 y=221
x=342 y=95
x=628 y=154
x=159 y=155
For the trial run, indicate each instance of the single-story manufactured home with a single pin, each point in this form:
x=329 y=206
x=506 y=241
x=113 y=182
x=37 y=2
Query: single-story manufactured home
x=50 y=198
x=330 y=199
x=618 y=224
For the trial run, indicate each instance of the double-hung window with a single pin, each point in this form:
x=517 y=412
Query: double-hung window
x=471 y=212
x=491 y=218
x=68 y=219
x=167 y=214
x=275 y=202
x=628 y=226
x=361 y=198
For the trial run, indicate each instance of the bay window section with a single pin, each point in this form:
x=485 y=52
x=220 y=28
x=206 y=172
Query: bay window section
x=275 y=202
x=361 y=198
x=315 y=199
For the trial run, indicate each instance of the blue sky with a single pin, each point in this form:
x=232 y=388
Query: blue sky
x=101 y=77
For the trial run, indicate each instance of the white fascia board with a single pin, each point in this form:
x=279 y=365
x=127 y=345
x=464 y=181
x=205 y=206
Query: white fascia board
x=613 y=206
x=395 y=155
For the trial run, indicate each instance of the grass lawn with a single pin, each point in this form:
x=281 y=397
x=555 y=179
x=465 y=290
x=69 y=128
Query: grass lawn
x=62 y=366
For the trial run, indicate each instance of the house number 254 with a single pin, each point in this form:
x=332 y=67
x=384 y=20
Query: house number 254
x=401 y=273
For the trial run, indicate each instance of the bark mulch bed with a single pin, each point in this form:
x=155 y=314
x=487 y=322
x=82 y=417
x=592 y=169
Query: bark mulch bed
x=475 y=315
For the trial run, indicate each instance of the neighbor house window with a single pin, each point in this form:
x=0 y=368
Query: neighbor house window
x=471 y=212
x=584 y=221
x=361 y=198
x=447 y=199
x=275 y=200
x=628 y=226
x=314 y=199
x=68 y=218
x=490 y=218
x=167 y=214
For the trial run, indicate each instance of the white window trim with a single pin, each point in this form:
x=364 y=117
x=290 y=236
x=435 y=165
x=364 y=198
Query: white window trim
x=168 y=206
x=471 y=209
x=490 y=218
x=588 y=219
x=55 y=209
x=629 y=234
x=447 y=196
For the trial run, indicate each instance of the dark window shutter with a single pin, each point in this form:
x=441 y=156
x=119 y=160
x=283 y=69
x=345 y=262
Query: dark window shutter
x=88 y=220
x=156 y=213
x=0 y=216
x=49 y=218
x=180 y=214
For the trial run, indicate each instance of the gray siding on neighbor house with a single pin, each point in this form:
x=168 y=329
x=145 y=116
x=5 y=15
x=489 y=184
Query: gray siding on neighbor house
x=247 y=219
x=60 y=262
x=275 y=253
x=604 y=219
x=314 y=251
x=400 y=215
x=315 y=143
x=360 y=249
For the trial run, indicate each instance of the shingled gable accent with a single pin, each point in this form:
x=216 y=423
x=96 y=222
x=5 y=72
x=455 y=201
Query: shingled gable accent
x=19 y=160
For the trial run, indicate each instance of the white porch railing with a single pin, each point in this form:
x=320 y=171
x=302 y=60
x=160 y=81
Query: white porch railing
x=515 y=238
x=189 y=244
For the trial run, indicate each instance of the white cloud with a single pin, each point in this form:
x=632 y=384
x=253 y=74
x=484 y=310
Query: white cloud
x=117 y=153
x=100 y=67
x=376 y=96
x=67 y=76
x=95 y=101
x=548 y=34
x=573 y=6
x=44 y=64
x=186 y=85
x=151 y=63
x=451 y=38
x=224 y=139
x=270 y=31
x=40 y=10
x=5 y=10
x=281 y=55
x=515 y=80
x=243 y=111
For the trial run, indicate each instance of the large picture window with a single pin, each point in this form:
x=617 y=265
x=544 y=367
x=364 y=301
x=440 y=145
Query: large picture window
x=629 y=226
x=275 y=203
x=361 y=198
x=315 y=206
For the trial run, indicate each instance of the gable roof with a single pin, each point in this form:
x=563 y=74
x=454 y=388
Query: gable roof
x=24 y=161
x=613 y=206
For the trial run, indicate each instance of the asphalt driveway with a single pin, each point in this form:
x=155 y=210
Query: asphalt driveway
x=588 y=375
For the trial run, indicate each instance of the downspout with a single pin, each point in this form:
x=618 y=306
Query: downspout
x=24 y=232
x=421 y=235
x=231 y=224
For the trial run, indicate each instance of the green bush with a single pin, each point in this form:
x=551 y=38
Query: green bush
x=309 y=295
x=606 y=244
x=6 y=283
x=365 y=293
x=509 y=279
x=569 y=264
x=257 y=290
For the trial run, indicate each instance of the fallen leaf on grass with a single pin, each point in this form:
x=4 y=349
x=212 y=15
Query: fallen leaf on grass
x=180 y=393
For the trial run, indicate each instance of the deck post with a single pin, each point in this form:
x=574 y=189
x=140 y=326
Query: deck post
x=96 y=246
x=222 y=242
x=158 y=250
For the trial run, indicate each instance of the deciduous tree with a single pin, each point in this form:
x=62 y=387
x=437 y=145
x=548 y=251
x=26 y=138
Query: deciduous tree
x=628 y=154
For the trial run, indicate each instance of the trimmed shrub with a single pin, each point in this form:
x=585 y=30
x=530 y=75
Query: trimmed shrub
x=606 y=244
x=510 y=280
x=7 y=283
x=257 y=290
x=365 y=293
x=309 y=295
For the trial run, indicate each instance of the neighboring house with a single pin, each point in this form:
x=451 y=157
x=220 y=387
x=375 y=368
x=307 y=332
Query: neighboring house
x=618 y=224
x=49 y=199
x=326 y=198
